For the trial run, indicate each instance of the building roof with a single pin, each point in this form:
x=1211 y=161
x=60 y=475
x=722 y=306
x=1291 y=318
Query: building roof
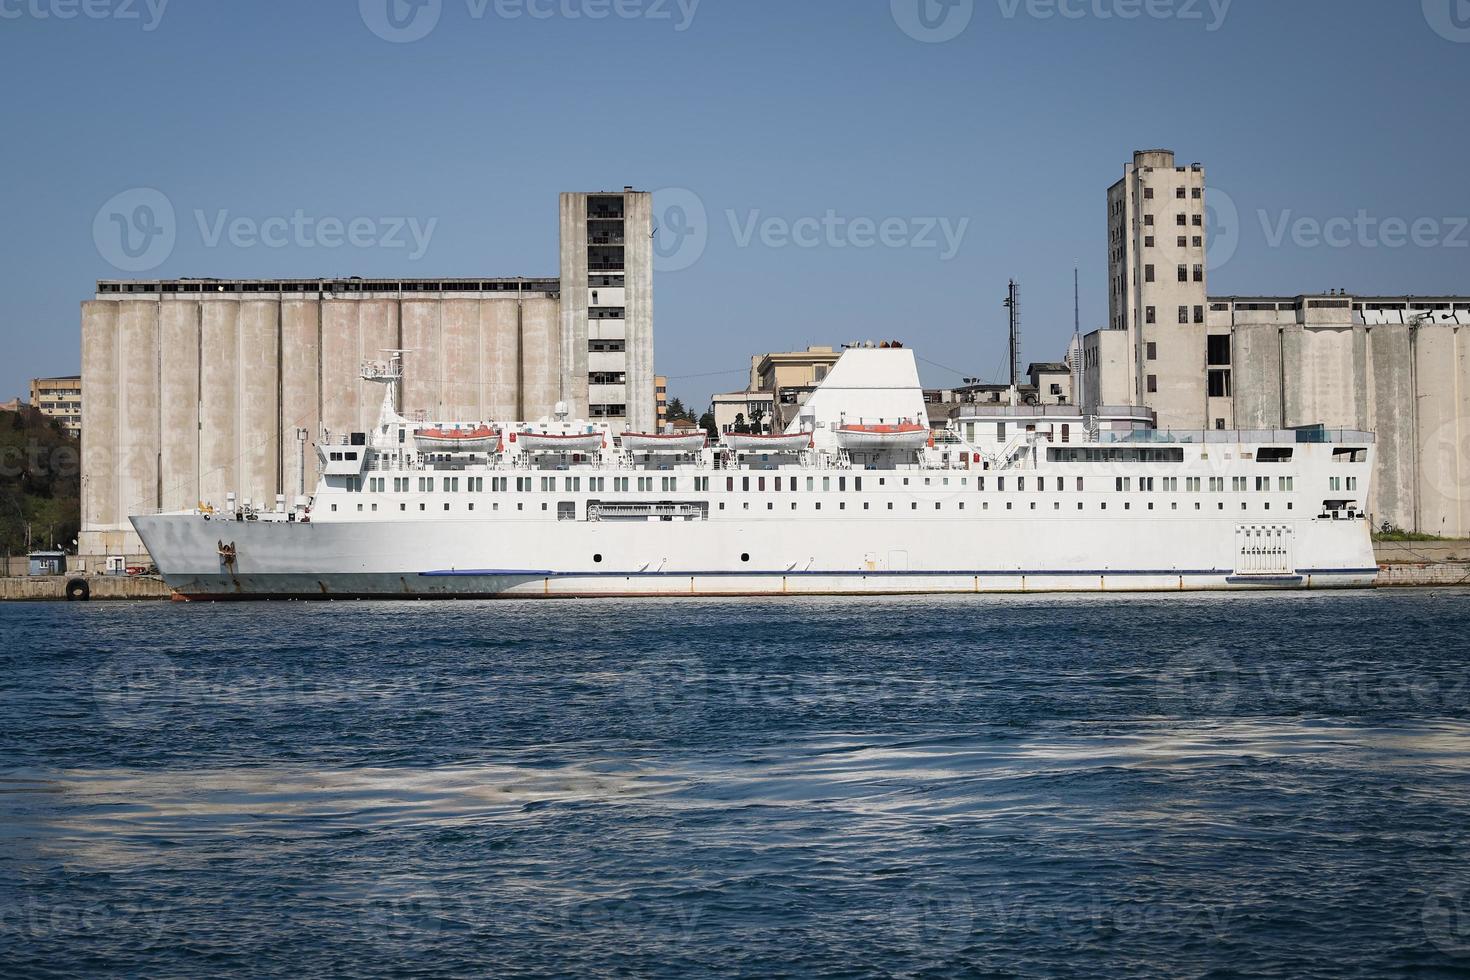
x=746 y=396
x=110 y=288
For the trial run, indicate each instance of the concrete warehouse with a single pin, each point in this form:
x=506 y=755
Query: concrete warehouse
x=199 y=388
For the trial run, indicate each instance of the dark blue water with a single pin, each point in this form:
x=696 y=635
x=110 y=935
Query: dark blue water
x=1179 y=786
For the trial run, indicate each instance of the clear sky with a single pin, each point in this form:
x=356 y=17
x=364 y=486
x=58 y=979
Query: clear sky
x=835 y=170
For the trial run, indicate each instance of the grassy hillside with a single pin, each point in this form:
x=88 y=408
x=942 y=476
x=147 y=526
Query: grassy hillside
x=40 y=482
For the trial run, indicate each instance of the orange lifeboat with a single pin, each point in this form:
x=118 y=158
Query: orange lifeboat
x=883 y=438
x=481 y=439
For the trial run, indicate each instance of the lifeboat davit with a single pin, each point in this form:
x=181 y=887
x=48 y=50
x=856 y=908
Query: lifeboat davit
x=550 y=442
x=642 y=442
x=883 y=438
x=745 y=442
x=482 y=439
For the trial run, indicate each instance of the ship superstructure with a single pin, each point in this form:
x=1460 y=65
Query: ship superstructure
x=858 y=496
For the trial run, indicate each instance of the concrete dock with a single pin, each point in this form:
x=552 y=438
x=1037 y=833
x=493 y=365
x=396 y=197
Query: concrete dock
x=52 y=588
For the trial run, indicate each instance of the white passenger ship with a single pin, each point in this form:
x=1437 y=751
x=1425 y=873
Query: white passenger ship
x=857 y=497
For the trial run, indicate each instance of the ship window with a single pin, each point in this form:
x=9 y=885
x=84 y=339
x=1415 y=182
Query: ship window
x=770 y=506
x=938 y=506
x=597 y=559
x=745 y=558
x=1008 y=505
x=334 y=507
x=403 y=506
x=446 y=506
x=913 y=506
x=819 y=506
x=890 y=507
x=778 y=484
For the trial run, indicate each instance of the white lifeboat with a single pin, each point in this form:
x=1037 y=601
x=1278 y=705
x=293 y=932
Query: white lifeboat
x=883 y=438
x=746 y=442
x=482 y=439
x=643 y=442
x=551 y=442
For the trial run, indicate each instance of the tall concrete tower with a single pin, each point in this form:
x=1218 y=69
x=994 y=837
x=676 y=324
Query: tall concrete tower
x=607 y=308
x=1157 y=283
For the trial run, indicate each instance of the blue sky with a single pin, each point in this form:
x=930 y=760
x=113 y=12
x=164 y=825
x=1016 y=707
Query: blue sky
x=828 y=144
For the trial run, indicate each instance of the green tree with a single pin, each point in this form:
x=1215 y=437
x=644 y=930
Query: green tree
x=740 y=424
x=40 y=483
x=707 y=423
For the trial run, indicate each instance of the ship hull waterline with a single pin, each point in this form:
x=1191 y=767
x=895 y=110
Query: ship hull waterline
x=466 y=560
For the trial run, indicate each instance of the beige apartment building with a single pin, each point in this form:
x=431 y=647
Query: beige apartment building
x=1157 y=284
x=60 y=399
x=1398 y=366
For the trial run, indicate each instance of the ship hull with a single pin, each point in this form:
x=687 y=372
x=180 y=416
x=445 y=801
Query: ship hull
x=773 y=557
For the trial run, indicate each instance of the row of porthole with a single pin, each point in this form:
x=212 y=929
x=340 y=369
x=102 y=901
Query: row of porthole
x=597 y=559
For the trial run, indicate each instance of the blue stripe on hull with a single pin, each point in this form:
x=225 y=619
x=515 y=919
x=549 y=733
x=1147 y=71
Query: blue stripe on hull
x=972 y=573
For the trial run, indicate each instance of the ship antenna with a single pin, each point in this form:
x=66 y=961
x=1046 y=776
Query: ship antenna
x=1013 y=304
x=1078 y=377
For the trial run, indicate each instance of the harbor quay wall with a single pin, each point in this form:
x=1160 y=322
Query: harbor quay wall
x=52 y=588
x=193 y=396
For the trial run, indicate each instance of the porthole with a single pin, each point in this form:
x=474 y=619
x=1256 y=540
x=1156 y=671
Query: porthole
x=597 y=559
x=745 y=558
